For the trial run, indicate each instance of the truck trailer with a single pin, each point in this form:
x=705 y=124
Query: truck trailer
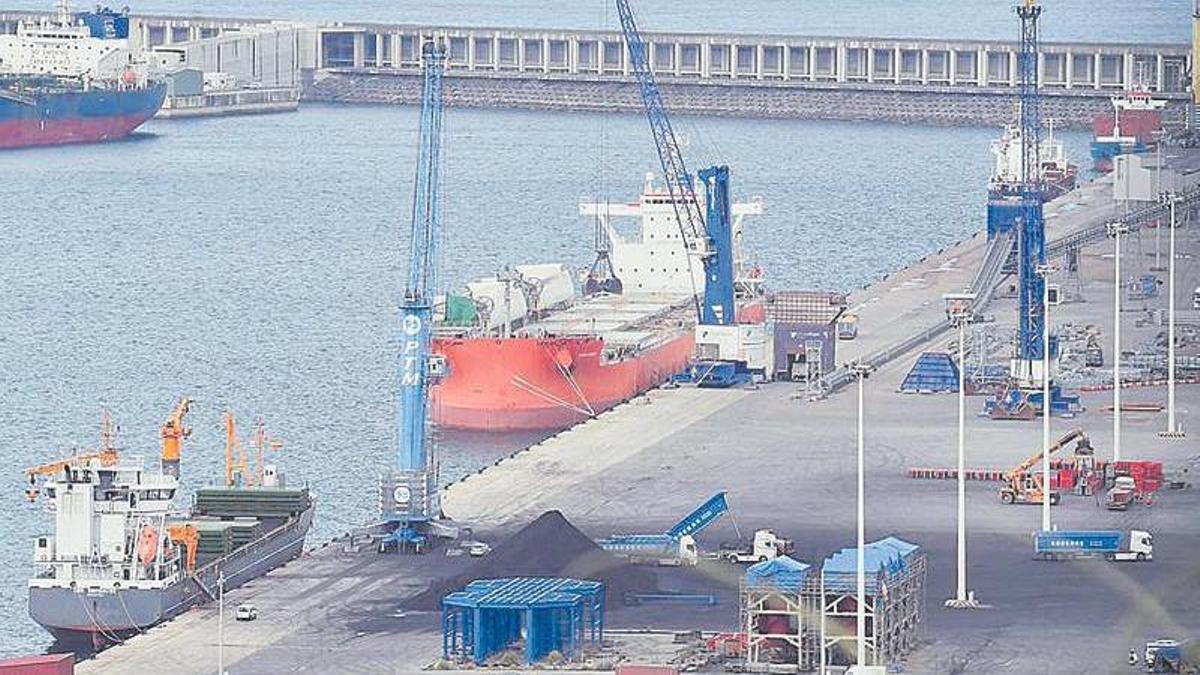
x=1064 y=544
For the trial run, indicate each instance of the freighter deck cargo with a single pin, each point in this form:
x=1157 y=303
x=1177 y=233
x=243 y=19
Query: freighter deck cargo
x=525 y=350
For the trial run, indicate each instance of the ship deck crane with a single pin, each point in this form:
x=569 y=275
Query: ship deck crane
x=411 y=505
x=106 y=455
x=707 y=234
x=173 y=432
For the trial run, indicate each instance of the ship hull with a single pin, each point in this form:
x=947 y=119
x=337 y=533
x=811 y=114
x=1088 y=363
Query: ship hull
x=64 y=117
x=524 y=383
x=96 y=618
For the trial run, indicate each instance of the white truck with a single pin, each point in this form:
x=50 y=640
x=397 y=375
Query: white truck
x=1065 y=544
x=766 y=546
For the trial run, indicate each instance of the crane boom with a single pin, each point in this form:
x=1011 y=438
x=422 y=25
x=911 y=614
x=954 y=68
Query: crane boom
x=173 y=432
x=675 y=173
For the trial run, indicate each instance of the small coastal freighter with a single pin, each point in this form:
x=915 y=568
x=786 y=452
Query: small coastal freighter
x=122 y=558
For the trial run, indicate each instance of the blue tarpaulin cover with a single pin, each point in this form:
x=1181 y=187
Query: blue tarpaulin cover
x=783 y=573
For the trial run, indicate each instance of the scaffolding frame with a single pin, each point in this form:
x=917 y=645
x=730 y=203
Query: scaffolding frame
x=799 y=605
x=895 y=613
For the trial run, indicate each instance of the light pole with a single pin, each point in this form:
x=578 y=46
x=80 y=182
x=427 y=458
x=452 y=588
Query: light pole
x=1044 y=272
x=221 y=624
x=1115 y=230
x=862 y=371
x=958 y=309
x=1173 y=430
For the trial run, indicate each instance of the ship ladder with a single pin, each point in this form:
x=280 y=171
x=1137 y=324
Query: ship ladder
x=526 y=385
x=566 y=374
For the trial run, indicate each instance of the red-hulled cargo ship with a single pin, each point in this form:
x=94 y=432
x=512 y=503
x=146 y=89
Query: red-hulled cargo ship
x=1132 y=127
x=72 y=79
x=525 y=351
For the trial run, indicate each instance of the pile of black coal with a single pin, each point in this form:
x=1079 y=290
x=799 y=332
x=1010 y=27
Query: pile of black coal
x=548 y=547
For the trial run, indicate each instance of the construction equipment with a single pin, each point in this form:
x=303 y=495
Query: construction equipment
x=1064 y=544
x=107 y=455
x=1024 y=487
x=410 y=503
x=173 y=433
x=676 y=546
x=186 y=535
x=725 y=352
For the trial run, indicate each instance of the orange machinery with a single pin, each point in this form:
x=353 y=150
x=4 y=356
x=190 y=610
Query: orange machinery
x=237 y=470
x=173 y=433
x=1022 y=486
x=188 y=536
x=107 y=456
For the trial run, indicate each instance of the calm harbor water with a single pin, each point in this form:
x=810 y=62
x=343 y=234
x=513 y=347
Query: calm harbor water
x=255 y=263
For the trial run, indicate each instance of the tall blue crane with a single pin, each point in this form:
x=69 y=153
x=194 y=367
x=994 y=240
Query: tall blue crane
x=1031 y=235
x=410 y=500
x=1024 y=397
x=709 y=240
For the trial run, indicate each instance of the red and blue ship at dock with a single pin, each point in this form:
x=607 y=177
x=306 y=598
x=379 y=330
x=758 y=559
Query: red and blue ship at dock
x=53 y=113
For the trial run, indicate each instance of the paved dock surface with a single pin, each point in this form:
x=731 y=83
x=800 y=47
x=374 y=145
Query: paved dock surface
x=789 y=464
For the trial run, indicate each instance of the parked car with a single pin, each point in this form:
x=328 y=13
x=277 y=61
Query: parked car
x=246 y=612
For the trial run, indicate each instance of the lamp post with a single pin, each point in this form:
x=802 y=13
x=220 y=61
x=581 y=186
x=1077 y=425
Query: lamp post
x=1173 y=430
x=1115 y=230
x=1044 y=272
x=862 y=371
x=958 y=310
x=221 y=624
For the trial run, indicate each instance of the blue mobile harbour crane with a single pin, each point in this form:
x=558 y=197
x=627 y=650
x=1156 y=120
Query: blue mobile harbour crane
x=721 y=343
x=409 y=499
x=1022 y=399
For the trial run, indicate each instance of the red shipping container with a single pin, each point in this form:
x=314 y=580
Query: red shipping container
x=47 y=664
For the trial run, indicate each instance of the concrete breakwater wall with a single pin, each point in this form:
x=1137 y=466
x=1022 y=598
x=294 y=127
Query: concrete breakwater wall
x=905 y=106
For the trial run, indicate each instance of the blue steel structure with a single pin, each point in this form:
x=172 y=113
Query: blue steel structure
x=551 y=614
x=410 y=496
x=933 y=372
x=1031 y=233
x=711 y=239
x=1023 y=398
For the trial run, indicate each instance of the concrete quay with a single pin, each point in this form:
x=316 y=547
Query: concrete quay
x=940 y=81
x=788 y=464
